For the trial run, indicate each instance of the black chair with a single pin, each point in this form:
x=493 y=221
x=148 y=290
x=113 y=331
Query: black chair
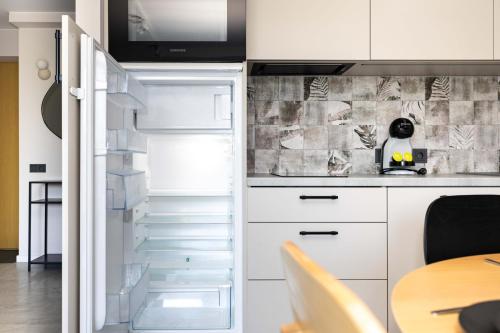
x=462 y=225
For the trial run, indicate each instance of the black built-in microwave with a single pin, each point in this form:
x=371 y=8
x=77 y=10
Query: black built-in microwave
x=177 y=30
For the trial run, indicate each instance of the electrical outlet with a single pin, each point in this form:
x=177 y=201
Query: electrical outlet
x=38 y=168
x=419 y=155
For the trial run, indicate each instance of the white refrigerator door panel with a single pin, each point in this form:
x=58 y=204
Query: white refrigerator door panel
x=70 y=65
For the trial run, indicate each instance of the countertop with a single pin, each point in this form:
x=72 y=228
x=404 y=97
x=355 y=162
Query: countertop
x=444 y=180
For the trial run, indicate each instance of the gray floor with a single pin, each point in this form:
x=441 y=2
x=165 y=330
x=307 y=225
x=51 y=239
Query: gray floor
x=30 y=302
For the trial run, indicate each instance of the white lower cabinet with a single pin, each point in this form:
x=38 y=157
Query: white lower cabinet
x=358 y=251
x=406 y=219
x=268 y=305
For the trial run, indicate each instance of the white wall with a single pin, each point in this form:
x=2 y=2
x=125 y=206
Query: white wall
x=8 y=40
x=36 y=143
x=89 y=16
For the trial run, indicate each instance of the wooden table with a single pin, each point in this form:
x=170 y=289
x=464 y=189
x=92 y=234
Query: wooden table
x=446 y=284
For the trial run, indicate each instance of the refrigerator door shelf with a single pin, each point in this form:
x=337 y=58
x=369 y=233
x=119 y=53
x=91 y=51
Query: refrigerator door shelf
x=151 y=219
x=125 y=188
x=126 y=141
x=123 y=88
x=185 y=309
x=120 y=306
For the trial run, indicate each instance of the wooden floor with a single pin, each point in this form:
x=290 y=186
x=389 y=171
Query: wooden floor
x=30 y=302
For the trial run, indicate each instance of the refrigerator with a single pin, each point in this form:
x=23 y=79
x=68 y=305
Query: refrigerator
x=153 y=165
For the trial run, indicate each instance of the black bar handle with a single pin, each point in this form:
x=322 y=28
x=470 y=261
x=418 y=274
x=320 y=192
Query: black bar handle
x=305 y=233
x=331 y=197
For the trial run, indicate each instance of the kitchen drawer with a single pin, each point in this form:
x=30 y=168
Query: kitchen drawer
x=268 y=305
x=358 y=251
x=283 y=204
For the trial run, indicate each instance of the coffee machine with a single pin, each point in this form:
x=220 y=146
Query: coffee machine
x=396 y=155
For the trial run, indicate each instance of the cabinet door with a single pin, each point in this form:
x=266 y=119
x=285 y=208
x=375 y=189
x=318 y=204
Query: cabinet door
x=406 y=217
x=432 y=30
x=496 y=33
x=268 y=305
x=308 y=30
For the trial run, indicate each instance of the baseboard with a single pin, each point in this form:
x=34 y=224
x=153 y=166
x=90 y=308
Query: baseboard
x=21 y=259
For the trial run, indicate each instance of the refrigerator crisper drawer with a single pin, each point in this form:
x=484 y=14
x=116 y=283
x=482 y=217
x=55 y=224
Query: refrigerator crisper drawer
x=126 y=140
x=125 y=188
x=185 y=299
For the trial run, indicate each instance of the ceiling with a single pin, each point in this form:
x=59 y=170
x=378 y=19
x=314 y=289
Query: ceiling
x=32 y=6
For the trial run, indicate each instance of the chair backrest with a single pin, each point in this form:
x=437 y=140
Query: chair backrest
x=320 y=302
x=462 y=225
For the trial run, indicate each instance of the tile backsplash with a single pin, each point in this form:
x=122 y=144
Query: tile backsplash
x=333 y=124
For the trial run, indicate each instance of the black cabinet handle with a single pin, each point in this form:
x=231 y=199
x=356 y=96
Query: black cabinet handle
x=331 y=197
x=305 y=233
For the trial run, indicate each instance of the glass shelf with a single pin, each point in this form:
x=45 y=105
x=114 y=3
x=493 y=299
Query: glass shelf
x=190 y=259
x=161 y=278
x=185 y=246
x=184 y=218
x=125 y=188
x=125 y=140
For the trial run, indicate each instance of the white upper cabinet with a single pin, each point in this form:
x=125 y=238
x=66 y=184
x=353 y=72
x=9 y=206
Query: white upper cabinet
x=308 y=30
x=432 y=30
x=497 y=29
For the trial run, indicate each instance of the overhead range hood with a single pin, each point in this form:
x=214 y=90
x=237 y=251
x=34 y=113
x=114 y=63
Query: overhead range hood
x=298 y=68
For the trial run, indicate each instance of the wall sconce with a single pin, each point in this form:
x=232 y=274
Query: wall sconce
x=43 y=69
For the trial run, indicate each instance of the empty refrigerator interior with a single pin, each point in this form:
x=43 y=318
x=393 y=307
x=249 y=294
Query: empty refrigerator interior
x=172 y=258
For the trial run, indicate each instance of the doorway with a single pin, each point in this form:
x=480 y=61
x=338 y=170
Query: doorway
x=9 y=161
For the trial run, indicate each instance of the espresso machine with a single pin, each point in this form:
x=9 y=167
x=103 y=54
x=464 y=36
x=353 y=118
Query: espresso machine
x=396 y=154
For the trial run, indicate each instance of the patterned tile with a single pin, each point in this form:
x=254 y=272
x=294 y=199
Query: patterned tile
x=339 y=113
x=316 y=88
x=437 y=112
x=316 y=137
x=462 y=137
x=485 y=112
x=436 y=137
x=413 y=88
x=437 y=88
x=267 y=112
x=340 y=137
x=316 y=162
x=438 y=161
x=461 y=161
x=315 y=113
x=461 y=112
x=291 y=88
x=364 y=112
x=290 y=113
x=486 y=161
x=340 y=88
x=292 y=137
x=265 y=160
x=266 y=137
x=364 y=88
x=291 y=161
x=250 y=137
x=251 y=113
x=485 y=88
x=415 y=111
x=250 y=161
x=339 y=162
x=418 y=138
x=387 y=111
x=460 y=88
x=363 y=162
x=388 y=88
x=365 y=137
x=485 y=137
x=266 y=88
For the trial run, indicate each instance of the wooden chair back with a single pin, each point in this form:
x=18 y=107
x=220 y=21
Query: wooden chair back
x=320 y=302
